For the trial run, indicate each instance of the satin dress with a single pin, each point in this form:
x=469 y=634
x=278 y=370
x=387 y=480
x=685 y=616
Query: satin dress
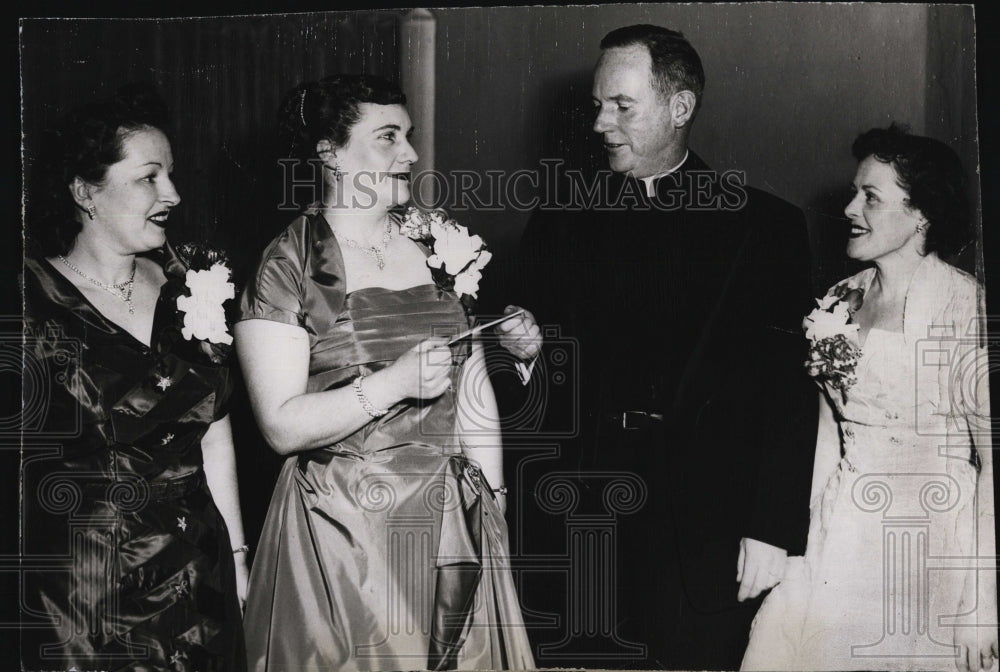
x=386 y=550
x=893 y=525
x=127 y=560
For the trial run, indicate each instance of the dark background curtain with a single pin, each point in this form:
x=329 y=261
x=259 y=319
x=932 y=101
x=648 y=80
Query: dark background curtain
x=222 y=79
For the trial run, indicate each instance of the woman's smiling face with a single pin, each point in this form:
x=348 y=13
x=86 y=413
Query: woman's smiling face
x=377 y=158
x=882 y=221
x=133 y=202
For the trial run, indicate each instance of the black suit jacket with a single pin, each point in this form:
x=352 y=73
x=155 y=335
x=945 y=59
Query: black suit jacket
x=689 y=305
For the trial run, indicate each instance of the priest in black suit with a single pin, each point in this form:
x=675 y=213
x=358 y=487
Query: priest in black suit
x=681 y=292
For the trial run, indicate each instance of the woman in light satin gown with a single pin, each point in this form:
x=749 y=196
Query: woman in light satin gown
x=902 y=501
x=385 y=545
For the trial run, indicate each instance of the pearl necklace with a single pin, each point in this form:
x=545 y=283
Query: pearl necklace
x=122 y=290
x=375 y=251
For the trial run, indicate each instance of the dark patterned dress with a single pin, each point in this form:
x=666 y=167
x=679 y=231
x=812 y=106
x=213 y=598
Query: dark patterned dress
x=127 y=560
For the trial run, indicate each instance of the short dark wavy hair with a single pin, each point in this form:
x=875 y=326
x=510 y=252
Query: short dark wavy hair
x=676 y=65
x=328 y=109
x=84 y=143
x=933 y=177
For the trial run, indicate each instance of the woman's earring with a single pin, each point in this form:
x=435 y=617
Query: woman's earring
x=335 y=169
x=91 y=211
x=921 y=227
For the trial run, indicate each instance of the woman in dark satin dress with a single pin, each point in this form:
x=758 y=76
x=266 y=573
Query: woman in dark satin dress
x=385 y=544
x=129 y=490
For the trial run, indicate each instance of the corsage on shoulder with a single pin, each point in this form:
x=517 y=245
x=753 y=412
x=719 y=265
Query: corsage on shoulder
x=458 y=258
x=208 y=288
x=834 y=348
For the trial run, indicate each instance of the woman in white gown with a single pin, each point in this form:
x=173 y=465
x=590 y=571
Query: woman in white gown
x=902 y=504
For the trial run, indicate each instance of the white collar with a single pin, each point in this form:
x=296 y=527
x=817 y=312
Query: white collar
x=648 y=181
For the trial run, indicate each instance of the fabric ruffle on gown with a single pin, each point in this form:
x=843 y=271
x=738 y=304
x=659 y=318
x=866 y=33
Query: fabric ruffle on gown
x=127 y=560
x=881 y=580
x=386 y=550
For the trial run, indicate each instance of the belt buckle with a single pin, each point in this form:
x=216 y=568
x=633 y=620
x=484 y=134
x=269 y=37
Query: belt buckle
x=627 y=420
x=633 y=420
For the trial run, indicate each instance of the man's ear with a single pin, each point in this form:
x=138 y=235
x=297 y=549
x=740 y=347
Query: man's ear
x=81 y=192
x=682 y=104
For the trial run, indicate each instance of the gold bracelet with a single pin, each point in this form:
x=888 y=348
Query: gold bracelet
x=241 y=549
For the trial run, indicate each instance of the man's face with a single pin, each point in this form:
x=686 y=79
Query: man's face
x=632 y=116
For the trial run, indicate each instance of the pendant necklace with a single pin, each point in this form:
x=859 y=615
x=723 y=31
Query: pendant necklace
x=375 y=251
x=122 y=290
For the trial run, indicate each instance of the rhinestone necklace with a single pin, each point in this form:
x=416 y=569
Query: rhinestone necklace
x=123 y=290
x=375 y=251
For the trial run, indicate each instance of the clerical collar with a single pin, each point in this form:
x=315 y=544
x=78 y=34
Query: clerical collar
x=649 y=181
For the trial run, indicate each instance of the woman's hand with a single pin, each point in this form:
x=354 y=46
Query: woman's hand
x=275 y=361
x=242 y=578
x=422 y=372
x=977 y=648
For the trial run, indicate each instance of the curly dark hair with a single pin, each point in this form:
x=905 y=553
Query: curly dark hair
x=84 y=143
x=676 y=64
x=933 y=177
x=328 y=109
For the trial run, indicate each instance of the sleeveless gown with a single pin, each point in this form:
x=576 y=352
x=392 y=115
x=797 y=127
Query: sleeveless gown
x=127 y=561
x=386 y=550
x=882 y=577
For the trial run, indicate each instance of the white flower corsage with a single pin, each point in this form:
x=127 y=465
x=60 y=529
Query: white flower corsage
x=834 y=348
x=204 y=314
x=458 y=258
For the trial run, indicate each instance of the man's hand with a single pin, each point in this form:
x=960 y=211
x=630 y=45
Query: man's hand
x=759 y=567
x=520 y=335
x=977 y=649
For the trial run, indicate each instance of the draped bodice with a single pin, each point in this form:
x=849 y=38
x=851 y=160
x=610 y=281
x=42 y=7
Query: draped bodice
x=118 y=409
x=878 y=414
x=905 y=412
x=375 y=327
x=301 y=281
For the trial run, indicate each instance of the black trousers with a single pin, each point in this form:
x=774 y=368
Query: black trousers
x=616 y=598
